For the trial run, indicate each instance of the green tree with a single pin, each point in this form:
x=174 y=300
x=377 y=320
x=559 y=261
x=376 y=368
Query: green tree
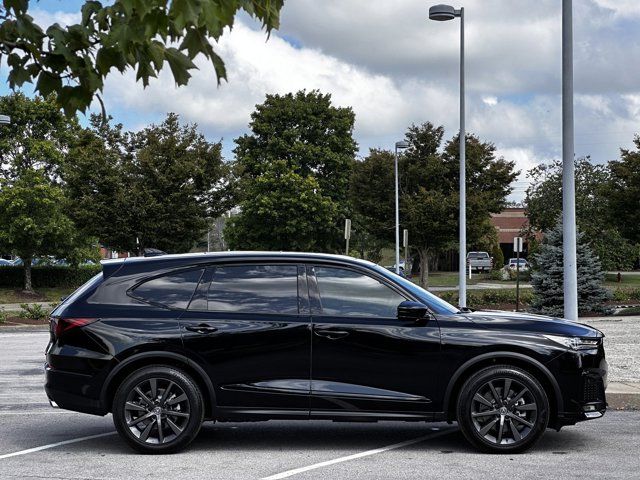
x=72 y=62
x=33 y=219
x=38 y=136
x=547 y=277
x=429 y=202
x=598 y=208
x=373 y=203
x=286 y=211
x=623 y=193
x=154 y=188
x=309 y=140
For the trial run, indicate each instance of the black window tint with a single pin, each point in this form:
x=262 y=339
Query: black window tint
x=254 y=289
x=352 y=294
x=173 y=290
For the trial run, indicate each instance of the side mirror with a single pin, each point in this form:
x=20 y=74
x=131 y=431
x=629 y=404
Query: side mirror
x=409 y=311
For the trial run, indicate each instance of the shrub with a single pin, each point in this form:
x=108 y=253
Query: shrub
x=626 y=294
x=3 y=316
x=33 y=311
x=498 y=257
x=48 y=276
x=489 y=298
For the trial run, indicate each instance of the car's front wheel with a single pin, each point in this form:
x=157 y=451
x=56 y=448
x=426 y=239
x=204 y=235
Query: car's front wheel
x=158 y=409
x=502 y=409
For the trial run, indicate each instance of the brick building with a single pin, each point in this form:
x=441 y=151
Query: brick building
x=511 y=222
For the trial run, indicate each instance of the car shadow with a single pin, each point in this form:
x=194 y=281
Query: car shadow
x=278 y=436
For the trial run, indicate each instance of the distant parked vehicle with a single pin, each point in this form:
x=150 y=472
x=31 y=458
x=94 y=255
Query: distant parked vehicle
x=479 y=261
x=393 y=269
x=513 y=264
x=5 y=263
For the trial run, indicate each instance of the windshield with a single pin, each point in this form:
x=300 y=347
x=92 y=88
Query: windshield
x=478 y=255
x=435 y=304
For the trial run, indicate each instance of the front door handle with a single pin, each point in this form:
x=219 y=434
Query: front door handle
x=202 y=328
x=331 y=334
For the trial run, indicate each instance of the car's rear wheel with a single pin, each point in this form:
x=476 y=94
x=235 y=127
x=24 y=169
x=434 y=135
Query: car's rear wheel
x=502 y=409
x=158 y=409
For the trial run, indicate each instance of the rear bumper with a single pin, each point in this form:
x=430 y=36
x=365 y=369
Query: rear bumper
x=68 y=390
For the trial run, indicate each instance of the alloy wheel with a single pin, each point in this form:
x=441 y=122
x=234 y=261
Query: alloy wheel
x=157 y=411
x=503 y=411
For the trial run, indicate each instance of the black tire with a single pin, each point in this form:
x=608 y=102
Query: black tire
x=162 y=423
x=502 y=409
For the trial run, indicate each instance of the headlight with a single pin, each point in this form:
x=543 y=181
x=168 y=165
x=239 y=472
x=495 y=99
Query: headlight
x=575 y=343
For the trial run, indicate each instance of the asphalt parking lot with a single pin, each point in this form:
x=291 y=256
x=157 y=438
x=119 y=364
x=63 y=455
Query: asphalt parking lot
x=37 y=441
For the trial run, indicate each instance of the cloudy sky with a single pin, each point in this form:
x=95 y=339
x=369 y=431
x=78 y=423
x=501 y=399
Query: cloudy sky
x=395 y=68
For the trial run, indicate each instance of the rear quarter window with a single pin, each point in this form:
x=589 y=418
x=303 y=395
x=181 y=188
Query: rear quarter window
x=173 y=290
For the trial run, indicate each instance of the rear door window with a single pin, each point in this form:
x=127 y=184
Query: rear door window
x=254 y=289
x=173 y=290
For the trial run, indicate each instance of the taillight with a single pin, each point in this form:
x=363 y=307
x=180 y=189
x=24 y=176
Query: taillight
x=62 y=325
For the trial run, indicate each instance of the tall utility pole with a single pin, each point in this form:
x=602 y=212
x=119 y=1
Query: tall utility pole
x=401 y=145
x=443 y=13
x=463 y=177
x=568 y=167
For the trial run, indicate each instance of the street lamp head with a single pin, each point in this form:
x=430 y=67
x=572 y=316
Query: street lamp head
x=5 y=119
x=442 y=13
x=402 y=144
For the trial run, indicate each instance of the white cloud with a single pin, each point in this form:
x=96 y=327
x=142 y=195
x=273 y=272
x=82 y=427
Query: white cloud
x=395 y=68
x=45 y=18
x=623 y=8
x=490 y=100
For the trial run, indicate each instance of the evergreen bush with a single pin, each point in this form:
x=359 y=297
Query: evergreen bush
x=547 y=277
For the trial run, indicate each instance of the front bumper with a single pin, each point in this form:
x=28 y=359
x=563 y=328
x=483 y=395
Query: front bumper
x=586 y=398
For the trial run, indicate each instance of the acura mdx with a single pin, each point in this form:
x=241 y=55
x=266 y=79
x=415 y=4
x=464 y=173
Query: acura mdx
x=164 y=343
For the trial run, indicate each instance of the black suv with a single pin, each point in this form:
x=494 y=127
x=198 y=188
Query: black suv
x=164 y=343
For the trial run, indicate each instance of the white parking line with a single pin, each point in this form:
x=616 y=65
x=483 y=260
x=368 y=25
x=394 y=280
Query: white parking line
x=53 y=445
x=355 y=456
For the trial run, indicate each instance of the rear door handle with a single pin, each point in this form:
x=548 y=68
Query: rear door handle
x=331 y=334
x=202 y=328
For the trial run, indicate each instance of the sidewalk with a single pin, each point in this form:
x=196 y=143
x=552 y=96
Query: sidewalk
x=482 y=286
x=15 y=307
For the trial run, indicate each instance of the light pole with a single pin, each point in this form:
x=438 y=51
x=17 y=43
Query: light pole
x=442 y=13
x=5 y=120
x=401 y=145
x=568 y=169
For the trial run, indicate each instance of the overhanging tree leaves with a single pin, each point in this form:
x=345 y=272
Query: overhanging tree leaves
x=72 y=62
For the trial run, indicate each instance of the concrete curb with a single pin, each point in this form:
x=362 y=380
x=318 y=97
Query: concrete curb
x=623 y=396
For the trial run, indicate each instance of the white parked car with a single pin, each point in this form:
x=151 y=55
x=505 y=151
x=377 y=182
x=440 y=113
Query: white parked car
x=513 y=264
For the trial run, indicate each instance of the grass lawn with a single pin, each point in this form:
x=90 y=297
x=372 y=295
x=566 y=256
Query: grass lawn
x=450 y=279
x=11 y=295
x=628 y=280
